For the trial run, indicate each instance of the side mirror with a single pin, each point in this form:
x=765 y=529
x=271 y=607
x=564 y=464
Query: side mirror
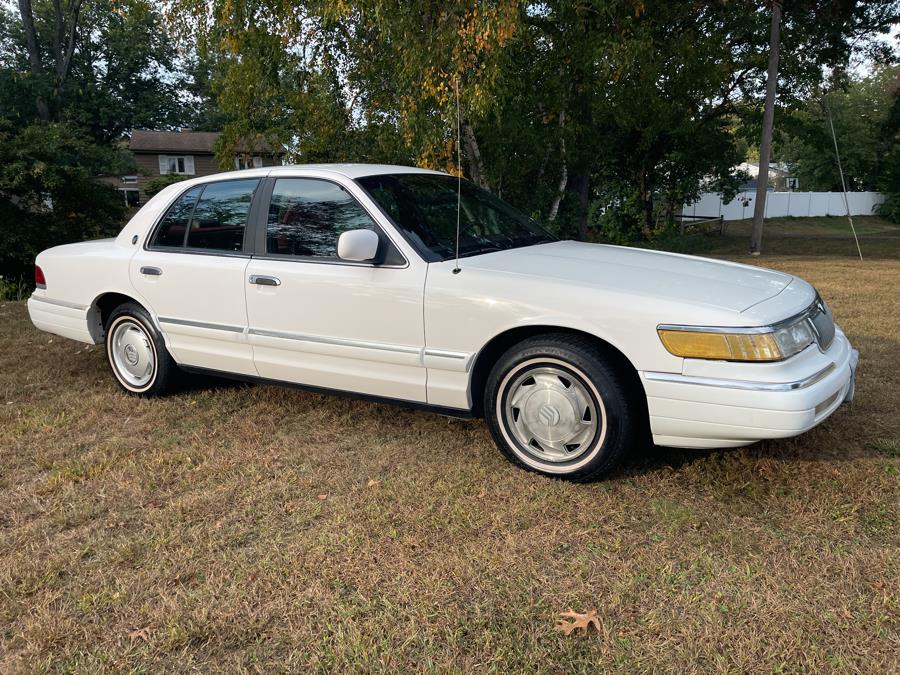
x=358 y=245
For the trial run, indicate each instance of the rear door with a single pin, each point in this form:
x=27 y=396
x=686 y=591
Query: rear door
x=317 y=320
x=191 y=272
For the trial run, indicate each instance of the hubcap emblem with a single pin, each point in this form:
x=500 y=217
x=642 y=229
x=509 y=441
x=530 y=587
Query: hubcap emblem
x=131 y=355
x=548 y=415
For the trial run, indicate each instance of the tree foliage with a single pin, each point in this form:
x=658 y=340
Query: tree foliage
x=74 y=77
x=620 y=109
x=603 y=114
x=861 y=113
x=50 y=193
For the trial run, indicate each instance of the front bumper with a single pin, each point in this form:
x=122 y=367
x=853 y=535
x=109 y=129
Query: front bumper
x=722 y=408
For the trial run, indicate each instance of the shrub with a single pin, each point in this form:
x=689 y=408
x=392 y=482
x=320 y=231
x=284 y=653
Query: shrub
x=49 y=194
x=159 y=183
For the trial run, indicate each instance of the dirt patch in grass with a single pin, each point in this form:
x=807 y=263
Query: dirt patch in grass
x=234 y=527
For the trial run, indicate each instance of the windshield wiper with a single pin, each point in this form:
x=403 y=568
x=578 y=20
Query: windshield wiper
x=478 y=250
x=532 y=239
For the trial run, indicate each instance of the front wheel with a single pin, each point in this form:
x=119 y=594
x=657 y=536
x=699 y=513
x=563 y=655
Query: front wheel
x=137 y=354
x=557 y=406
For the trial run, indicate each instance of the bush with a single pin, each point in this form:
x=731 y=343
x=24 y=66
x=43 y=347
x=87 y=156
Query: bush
x=49 y=194
x=159 y=183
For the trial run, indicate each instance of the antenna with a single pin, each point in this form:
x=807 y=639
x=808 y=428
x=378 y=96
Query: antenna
x=841 y=171
x=456 y=269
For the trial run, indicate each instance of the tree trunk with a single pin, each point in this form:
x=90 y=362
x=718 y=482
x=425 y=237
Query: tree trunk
x=34 y=55
x=583 y=188
x=765 y=144
x=646 y=198
x=476 y=165
x=564 y=176
x=560 y=191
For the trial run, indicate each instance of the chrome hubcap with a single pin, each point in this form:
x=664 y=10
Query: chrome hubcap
x=132 y=354
x=551 y=413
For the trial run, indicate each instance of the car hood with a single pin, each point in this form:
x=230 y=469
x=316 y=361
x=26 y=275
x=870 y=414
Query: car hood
x=661 y=275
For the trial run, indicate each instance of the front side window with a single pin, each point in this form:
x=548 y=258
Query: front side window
x=424 y=206
x=306 y=217
x=211 y=217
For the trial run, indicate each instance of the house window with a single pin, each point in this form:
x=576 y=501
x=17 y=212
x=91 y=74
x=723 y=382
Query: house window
x=132 y=197
x=245 y=162
x=129 y=180
x=177 y=164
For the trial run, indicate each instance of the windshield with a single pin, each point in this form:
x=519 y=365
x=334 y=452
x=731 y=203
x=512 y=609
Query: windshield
x=424 y=207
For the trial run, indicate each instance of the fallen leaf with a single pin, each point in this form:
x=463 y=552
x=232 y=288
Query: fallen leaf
x=140 y=634
x=579 y=620
x=372 y=482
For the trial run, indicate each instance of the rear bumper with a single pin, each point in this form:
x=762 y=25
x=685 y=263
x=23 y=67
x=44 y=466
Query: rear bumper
x=60 y=318
x=690 y=411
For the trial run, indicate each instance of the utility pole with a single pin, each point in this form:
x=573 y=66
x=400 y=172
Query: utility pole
x=765 y=144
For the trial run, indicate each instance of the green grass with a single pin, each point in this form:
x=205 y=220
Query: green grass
x=234 y=528
x=818 y=227
x=819 y=237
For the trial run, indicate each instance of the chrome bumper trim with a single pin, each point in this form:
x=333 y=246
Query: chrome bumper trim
x=60 y=303
x=741 y=384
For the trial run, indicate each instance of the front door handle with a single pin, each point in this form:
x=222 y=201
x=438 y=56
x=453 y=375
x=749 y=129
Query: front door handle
x=151 y=271
x=263 y=280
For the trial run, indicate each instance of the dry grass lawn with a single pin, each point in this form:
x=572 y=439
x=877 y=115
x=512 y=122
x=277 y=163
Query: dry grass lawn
x=249 y=528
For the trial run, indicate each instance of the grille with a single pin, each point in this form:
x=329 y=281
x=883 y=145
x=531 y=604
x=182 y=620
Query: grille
x=823 y=324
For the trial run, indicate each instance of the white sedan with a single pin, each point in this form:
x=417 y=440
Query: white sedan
x=345 y=278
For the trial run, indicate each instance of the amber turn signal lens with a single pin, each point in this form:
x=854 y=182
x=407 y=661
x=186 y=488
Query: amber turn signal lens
x=723 y=346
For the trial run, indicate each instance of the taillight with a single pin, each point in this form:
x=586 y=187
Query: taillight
x=39 y=279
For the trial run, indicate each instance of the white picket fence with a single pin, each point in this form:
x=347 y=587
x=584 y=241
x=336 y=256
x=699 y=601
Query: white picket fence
x=779 y=204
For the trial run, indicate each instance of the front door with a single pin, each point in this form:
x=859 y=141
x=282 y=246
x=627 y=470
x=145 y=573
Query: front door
x=320 y=321
x=192 y=276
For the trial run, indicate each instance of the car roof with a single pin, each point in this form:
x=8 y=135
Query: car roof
x=352 y=170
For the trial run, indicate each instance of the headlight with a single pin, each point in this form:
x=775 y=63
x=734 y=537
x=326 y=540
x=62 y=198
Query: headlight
x=755 y=344
x=795 y=337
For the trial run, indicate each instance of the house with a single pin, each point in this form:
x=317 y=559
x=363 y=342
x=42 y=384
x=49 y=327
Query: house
x=182 y=152
x=779 y=176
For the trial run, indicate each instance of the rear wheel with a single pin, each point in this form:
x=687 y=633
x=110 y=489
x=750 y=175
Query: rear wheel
x=137 y=354
x=557 y=406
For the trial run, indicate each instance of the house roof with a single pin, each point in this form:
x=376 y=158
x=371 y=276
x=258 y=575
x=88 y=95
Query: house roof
x=194 y=142
x=173 y=141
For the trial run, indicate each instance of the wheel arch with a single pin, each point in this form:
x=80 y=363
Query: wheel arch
x=101 y=308
x=496 y=346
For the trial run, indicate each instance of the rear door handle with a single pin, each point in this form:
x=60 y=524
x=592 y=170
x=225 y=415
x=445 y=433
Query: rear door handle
x=263 y=280
x=152 y=271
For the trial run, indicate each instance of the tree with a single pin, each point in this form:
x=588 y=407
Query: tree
x=74 y=77
x=621 y=108
x=860 y=109
x=49 y=192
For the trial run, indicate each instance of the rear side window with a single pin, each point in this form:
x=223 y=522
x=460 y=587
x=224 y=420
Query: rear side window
x=172 y=229
x=210 y=217
x=221 y=216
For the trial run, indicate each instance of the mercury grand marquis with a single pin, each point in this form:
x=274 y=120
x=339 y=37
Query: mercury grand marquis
x=407 y=285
